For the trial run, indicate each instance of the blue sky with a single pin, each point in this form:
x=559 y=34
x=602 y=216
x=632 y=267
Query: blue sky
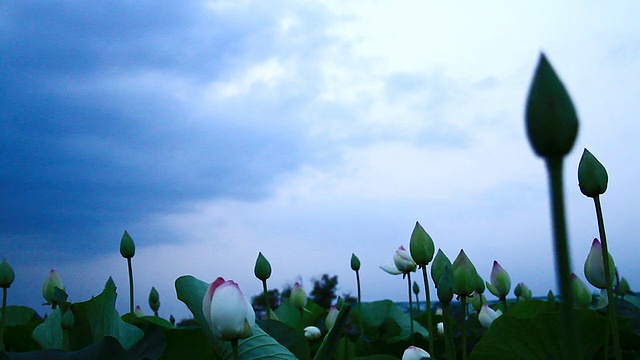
x=304 y=130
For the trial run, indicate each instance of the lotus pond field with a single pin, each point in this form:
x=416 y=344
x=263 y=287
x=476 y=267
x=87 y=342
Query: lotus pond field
x=594 y=314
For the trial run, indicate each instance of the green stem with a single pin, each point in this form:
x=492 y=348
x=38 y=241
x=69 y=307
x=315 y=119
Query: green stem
x=359 y=303
x=267 y=303
x=130 y=285
x=448 y=333
x=563 y=261
x=4 y=305
x=410 y=307
x=234 y=347
x=504 y=302
x=425 y=280
x=607 y=276
x=463 y=326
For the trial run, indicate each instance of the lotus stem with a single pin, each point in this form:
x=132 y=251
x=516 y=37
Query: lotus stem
x=359 y=302
x=563 y=261
x=448 y=334
x=234 y=347
x=130 y=285
x=463 y=326
x=267 y=303
x=425 y=280
x=410 y=307
x=607 y=276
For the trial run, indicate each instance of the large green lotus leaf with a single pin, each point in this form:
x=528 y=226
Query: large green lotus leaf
x=19 y=315
x=49 y=333
x=540 y=336
x=297 y=319
x=530 y=308
x=331 y=341
x=187 y=343
x=145 y=321
x=259 y=346
x=376 y=357
x=19 y=339
x=97 y=318
x=383 y=320
x=291 y=338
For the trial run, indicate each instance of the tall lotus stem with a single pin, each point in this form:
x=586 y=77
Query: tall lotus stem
x=607 y=276
x=234 y=347
x=128 y=250
x=130 y=268
x=448 y=333
x=355 y=266
x=428 y=308
x=463 y=327
x=410 y=307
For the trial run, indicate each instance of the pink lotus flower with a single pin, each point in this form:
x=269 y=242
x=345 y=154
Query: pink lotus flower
x=227 y=311
x=594 y=266
x=403 y=263
x=415 y=353
x=500 y=281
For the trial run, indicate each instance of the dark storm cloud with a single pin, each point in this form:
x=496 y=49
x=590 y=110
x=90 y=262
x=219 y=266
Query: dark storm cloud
x=84 y=147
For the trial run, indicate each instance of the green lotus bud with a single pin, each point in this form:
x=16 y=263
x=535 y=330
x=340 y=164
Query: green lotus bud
x=332 y=315
x=517 y=291
x=522 y=291
x=623 y=287
x=500 y=281
x=298 y=297
x=594 y=266
x=415 y=288
x=479 y=289
x=67 y=320
x=477 y=300
x=49 y=286
x=7 y=275
x=552 y=123
x=445 y=284
x=355 y=262
x=154 y=300
x=581 y=294
x=439 y=262
x=339 y=302
x=262 y=269
x=421 y=246
x=464 y=275
x=592 y=176
x=127 y=246
x=551 y=297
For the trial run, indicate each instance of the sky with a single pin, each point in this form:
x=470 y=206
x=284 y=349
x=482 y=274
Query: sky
x=306 y=130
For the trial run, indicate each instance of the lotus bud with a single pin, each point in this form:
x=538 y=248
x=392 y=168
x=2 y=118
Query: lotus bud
x=7 y=275
x=551 y=297
x=331 y=317
x=500 y=281
x=415 y=288
x=552 y=123
x=50 y=284
x=594 y=266
x=477 y=300
x=227 y=311
x=138 y=311
x=262 y=269
x=403 y=263
x=487 y=316
x=464 y=275
x=154 y=300
x=421 y=246
x=592 y=176
x=439 y=311
x=415 y=353
x=439 y=262
x=445 y=287
x=355 y=262
x=522 y=291
x=581 y=294
x=298 y=297
x=440 y=328
x=312 y=333
x=517 y=291
x=339 y=302
x=127 y=246
x=623 y=287
x=479 y=289
x=172 y=320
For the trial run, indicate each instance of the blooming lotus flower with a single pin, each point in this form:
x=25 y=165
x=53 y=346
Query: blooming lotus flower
x=331 y=317
x=50 y=285
x=227 y=311
x=500 y=284
x=581 y=293
x=298 y=297
x=594 y=266
x=415 y=353
x=312 y=333
x=403 y=263
x=487 y=315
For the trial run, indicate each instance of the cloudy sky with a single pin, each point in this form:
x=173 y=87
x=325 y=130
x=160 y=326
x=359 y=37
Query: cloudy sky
x=310 y=130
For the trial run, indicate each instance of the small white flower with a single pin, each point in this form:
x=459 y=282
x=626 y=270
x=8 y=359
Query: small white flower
x=487 y=315
x=312 y=333
x=415 y=353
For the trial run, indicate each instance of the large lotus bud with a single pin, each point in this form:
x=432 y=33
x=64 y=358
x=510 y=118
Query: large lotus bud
x=7 y=275
x=439 y=262
x=227 y=311
x=331 y=317
x=581 y=294
x=445 y=284
x=421 y=246
x=464 y=275
x=500 y=281
x=487 y=316
x=127 y=246
x=298 y=297
x=262 y=269
x=355 y=262
x=592 y=176
x=594 y=266
x=312 y=333
x=49 y=287
x=154 y=299
x=552 y=123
